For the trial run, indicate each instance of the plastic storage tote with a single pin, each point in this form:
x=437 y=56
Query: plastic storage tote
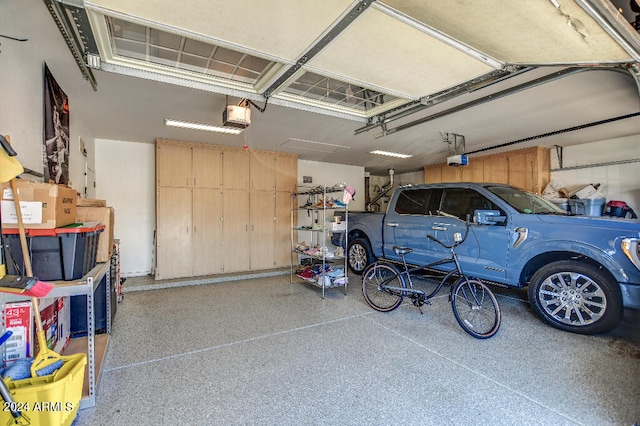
x=66 y=253
x=587 y=206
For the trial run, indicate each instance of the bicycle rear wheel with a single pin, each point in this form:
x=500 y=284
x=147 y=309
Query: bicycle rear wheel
x=375 y=280
x=475 y=308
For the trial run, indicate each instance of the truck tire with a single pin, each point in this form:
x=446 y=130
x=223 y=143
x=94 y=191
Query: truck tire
x=360 y=255
x=575 y=296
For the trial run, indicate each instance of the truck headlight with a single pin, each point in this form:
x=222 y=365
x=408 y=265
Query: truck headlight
x=631 y=248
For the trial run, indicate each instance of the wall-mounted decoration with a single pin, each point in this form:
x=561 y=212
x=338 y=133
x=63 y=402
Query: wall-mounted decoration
x=56 y=131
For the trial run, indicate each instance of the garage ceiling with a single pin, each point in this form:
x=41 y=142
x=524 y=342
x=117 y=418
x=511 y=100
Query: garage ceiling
x=338 y=78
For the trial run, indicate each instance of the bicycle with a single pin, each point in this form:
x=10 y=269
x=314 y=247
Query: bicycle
x=474 y=305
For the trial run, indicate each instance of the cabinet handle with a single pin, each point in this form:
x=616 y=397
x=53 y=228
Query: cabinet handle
x=187 y=229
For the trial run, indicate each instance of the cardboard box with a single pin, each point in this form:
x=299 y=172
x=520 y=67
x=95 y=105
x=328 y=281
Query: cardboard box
x=90 y=202
x=584 y=192
x=43 y=205
x=19 y=320
x=64 y=324
x=104 y=216
x=337 y=227
x=56 y=319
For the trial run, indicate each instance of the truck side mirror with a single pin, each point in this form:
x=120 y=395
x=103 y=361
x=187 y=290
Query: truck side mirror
x=488 y=217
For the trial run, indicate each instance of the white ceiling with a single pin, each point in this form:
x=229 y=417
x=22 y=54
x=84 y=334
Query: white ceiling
x=395 y=47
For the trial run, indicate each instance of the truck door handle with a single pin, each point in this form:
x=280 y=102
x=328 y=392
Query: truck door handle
x=392 y=224
x=438 y=228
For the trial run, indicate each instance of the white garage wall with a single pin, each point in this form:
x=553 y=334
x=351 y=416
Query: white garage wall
x=21 y=111
x=126 y=179
x=330 y=174
x=597 y=162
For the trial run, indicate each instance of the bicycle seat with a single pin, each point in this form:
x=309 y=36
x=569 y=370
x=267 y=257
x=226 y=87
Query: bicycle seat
x=402 y=250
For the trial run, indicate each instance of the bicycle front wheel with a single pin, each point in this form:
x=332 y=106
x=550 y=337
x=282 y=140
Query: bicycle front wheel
x=377 y=282
x=475 y=308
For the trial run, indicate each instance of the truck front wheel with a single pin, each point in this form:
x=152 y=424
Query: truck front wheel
x=576 y=297
x=360 y=255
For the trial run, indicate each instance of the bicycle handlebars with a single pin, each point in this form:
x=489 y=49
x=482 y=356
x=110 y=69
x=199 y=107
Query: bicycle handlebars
x=456 y=243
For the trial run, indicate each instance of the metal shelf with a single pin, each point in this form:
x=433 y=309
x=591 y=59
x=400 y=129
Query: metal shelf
x=318 y=213
x=85 y=286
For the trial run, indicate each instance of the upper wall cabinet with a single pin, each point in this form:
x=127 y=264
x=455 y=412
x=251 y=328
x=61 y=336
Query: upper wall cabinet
x=173 y=165
x=235 y=169
x=207 y=167
x=272 y=171
x=525 y=168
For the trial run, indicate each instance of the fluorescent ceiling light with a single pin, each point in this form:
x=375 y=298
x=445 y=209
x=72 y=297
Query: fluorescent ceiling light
x=198 y=126
x=391 y=154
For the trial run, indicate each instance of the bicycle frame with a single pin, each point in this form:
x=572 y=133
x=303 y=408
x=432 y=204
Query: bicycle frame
x=405 y=291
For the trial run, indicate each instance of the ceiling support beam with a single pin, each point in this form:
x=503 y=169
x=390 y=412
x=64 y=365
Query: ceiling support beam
x=507 y=92
x=71 y=38
x=327 y=38
x=431 y=100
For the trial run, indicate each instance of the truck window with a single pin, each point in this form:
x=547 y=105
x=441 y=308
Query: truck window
x=525 y=202
x=462 y=201
x=418 y=201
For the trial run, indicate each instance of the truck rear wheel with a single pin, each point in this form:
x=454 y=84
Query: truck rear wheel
x=576 y=297
x=360 y=255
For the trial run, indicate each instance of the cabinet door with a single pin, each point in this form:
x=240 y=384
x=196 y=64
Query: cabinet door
x=173 y=165
x=207 y=167
x=496 y=169
x=173 y=237
x=433 y=174
x=286 y=173
x=283 y=229
x=263 y=171
x=235 y=169
x=207 y=231
x=235 y=230
x=263 y=229
x=473 y=172
x=518 y=171
x=451 y=174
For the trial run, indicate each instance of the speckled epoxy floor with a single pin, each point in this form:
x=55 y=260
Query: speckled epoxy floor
x=263 y=351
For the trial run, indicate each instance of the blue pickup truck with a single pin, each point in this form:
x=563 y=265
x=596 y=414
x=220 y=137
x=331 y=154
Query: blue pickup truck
x=580 y=271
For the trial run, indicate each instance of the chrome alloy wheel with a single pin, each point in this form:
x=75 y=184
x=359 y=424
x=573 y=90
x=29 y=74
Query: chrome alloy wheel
x=357 y=257
x=572 y=298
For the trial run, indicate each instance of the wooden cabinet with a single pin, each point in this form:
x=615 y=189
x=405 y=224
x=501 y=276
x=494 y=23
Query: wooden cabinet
x=208 y=253
x=207 y=167
x=235 y=230
x=235 y=169
x=526 y=168
x=173 y=165
x=205 y=205
x=282 y=252
x=263 y=229
x=286 y=173
x=173 y=233
x=263 y=170
x=495 y=169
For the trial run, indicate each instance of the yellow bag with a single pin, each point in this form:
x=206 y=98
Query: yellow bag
x=10 y=167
